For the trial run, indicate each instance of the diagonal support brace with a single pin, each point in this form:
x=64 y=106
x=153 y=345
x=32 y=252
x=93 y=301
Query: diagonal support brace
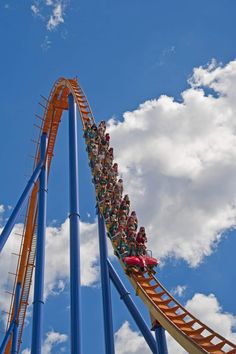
x=13 y=326
x=12 y=219
x=125 y=296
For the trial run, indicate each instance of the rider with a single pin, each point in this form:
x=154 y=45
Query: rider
x=141 y=240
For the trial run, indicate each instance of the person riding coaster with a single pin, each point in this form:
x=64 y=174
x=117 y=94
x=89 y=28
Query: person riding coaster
x=92 y=133
x=102 y=128
x=115 y=210
x=141 y=240
x=131 y=240
x=113 y=218
x=125 y=206
x=106 y=209
x=112 y=228
x=119 y=238
x=142 y=260
x=133 y=220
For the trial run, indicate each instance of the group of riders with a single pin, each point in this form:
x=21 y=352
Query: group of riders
x=122 y=225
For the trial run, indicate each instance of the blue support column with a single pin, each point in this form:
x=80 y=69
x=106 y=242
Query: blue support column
x=125 y=296
x=12 y=219
x=37 y=332
x=160 y=338
x=15 y=330
x=106 y=291
x=7 y=337
x=75 y=291
x=13 y=326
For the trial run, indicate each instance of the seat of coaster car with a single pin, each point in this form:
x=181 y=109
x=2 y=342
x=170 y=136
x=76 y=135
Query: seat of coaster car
x=140 y=261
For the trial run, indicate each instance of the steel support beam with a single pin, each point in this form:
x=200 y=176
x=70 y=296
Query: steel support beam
x=125 y=296
x=37 y=332
x=7 y=337
x=160 y=338
x=106 y=291
x=13 y=326
x=12 y=219
x=16 y=308
x=75 y=291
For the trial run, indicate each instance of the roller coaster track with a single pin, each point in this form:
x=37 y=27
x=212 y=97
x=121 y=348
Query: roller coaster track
x=194 y=336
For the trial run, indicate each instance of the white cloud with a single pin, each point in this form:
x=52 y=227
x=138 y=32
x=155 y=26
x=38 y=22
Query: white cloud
x=8 y=262
x=128 y=341
x=52 y=340
x=51 y=12
x=35 y=9
x=209 y=311
x=204 y=307
x=56 y=262
x=178 y=161
x=56 y=18
x=179 y=290
x=57 y=256
x=2 y=210
x=173 y=346
x=26 y=351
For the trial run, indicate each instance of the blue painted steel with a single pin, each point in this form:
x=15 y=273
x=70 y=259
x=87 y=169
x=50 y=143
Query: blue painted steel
x=106 y=291
x=161 y=339
x=75 y=291
x=7 y=336
x=13 y=326
x=37 y=332
x=125 y=296
x=15 y=330
x=12 y=219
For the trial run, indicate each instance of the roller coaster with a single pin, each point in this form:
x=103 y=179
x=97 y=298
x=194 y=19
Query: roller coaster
x=166 y=312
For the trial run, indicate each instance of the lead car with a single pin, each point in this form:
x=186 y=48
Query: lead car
x=141 y=263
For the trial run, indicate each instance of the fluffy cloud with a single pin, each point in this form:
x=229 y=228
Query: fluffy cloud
x=53 y=339
x=204 y=307
x=34 y=8
x=179 y=290
x=209 y=311
x=2 y=209
x=178 y=161
x=56 y=18
x=57 y=256
x=56 y=263
x=50 y=11
x=128 y=341
x=8 y=262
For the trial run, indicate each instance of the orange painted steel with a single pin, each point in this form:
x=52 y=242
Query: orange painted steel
x=192 y=335
x=56 y=103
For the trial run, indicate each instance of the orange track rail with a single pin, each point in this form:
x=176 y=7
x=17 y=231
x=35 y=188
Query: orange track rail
x=193 y=336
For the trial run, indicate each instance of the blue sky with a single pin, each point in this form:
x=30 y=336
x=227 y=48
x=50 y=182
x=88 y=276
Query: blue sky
x=126 y=53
